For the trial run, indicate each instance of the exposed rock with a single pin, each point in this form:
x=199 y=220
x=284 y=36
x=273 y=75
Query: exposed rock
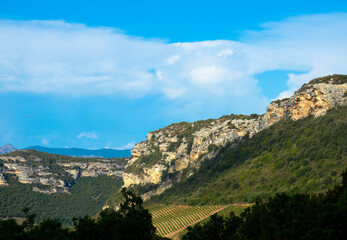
x=93 y=169
x=3 y=180
x=311 y=99
x=52 y=190
x=54 y=177
x=182 y=145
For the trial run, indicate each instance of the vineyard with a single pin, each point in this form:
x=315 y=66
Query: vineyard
x=170 y=219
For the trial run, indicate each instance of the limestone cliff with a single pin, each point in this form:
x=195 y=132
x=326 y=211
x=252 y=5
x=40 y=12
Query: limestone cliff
x=49 y=173
x=173 y=152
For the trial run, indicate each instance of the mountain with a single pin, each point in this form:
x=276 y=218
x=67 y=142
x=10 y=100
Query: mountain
x=7 y=148
x=303 y=156
x=55 y=185
x=177 y=152
x=79 y=152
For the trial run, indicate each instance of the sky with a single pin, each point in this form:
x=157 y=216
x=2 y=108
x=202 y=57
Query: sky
x=96 y=74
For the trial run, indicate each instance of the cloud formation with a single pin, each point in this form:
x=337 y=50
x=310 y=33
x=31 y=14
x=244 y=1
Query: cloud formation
x=63 y=58
x=45 y=141
x=88 y=135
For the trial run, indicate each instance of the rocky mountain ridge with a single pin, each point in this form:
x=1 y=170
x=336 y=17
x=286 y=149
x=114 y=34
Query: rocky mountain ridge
x=49 y=173
x=7 y=148
x=172 y=153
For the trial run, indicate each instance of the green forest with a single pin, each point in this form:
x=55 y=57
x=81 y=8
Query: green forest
x=282 y=216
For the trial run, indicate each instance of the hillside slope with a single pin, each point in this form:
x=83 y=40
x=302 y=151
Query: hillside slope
x=174 y=153
x=303 y=156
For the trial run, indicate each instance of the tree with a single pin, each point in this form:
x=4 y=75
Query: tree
x=9 y=229
x=131 y=221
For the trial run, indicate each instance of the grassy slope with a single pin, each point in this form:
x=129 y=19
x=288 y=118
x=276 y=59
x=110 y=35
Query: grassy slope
x=301 y=156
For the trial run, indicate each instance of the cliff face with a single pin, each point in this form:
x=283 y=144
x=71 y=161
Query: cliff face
x=311 y=99
x=53 y=173
x=173 y=152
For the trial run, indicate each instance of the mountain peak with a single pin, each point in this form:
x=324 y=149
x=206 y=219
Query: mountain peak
x=7 y=148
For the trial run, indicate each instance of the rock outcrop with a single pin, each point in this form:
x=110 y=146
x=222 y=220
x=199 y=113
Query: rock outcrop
x=167 y=154
x=3 y=180
x=54 y=173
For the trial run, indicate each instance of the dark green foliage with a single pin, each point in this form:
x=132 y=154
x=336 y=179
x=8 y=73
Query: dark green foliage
x=301 y=156
x=282 y=216
x=88 y=196
x=212 y=148
x=334 y=79
x=32 y=155
x=9 y=229
x=174 y=145
x=145 y=161
x=131 y=221
x=48 y=229
x=281 y=100
x=240 y=116
x=189 y=146
x=151 y=159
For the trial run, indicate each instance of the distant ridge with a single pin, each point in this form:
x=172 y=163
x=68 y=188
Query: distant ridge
x=80 y=152
x=7 y=148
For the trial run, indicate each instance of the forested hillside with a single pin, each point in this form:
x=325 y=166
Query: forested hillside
x=87 y=198
x=303 y=156
x=56 y=186
x=298 y=150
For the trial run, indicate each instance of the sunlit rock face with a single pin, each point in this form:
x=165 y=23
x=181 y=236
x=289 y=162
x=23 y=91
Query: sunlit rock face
x=311 y=99
x=167 y=152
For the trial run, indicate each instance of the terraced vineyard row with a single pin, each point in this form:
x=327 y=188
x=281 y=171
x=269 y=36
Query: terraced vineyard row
x=170 y=219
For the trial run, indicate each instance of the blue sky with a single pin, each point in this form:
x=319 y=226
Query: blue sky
x=97 y=74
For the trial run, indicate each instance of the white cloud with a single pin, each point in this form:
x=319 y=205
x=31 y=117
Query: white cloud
x=45 y=141
x=88 y=135
x=63 y=58
x=208 y=74
x=173 y=59
x=130 y=145
x=225 y=53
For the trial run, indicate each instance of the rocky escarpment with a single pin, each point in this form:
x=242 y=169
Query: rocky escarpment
x=173 y=152
x=314 y=98
x=49 y=173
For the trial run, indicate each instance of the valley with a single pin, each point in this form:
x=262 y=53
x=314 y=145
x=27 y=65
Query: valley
x=55 y=185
